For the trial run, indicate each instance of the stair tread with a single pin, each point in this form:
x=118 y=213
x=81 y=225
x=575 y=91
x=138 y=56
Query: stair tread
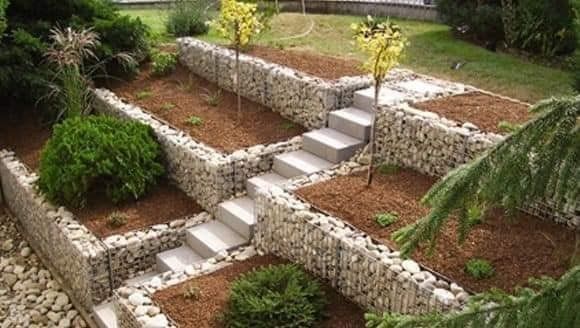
x=178 y=258
x=105 y=315
x=387 y=96
x=305 y=161
x=141 y=279
x=333 y=138
x=355 y=115
x=242 y=207
x=421 y=87
x=216 y=236
x=268 y=179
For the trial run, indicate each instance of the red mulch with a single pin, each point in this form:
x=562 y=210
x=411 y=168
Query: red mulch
x=165 y=202
x=322 y=66
x=205 y=312
x=179 y=96
x=519 y=248
x=483 y=110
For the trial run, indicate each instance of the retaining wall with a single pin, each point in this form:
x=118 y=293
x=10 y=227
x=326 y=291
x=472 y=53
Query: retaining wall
x=202 y=172
x=301 y=98
x=82 y=260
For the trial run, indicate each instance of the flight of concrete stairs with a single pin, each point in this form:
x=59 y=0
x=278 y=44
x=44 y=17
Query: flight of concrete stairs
x=348 y=131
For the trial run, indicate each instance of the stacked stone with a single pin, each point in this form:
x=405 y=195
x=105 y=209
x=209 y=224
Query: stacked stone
x=300 y=97
x=363 y=270
x=70 y=247
x=134 y=252
x=135 y=307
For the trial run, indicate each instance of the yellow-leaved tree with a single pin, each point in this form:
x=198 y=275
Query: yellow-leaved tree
x=383 y=43
x=238 y=22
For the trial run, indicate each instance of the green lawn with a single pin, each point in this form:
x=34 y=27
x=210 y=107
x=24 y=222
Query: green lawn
x=432 y=51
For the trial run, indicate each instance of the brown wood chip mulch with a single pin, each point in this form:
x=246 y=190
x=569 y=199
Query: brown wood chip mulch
x=205 y=312
x=519 y=248
x=483 y=110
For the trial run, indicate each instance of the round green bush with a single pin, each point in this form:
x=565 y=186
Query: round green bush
x=275 y=296
x=99 y=154
x=479 y=268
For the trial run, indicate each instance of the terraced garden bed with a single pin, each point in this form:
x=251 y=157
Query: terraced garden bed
x=518 y=248
x=26 y=136
x=205 y=311
x=205 y=111
x=486 y=111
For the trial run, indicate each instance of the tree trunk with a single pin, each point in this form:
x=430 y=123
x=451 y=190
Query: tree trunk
x=372 y=136
x=303 y=7
x=238 y=83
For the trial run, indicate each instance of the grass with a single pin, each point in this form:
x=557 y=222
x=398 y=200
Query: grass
x=432 y=51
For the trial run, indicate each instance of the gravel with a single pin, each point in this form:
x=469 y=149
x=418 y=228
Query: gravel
x=29 y=296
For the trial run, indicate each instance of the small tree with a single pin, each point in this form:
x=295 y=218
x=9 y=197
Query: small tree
x=239 y=23
x=383 y=43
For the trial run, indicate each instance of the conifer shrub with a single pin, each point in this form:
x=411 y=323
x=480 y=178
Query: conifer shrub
x=275 y=296
x=188 y=18
x=479 y=268
x=99 y=154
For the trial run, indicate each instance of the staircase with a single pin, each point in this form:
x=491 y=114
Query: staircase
x=348 y=131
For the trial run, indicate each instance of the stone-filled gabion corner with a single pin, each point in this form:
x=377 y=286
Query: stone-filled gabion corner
x=300 y=97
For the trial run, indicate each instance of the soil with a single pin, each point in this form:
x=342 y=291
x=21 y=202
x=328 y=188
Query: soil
x=26 y=136
x=205 y=312
x=322 y=66
x=518 y=247
x=483 y=110
x=180 y=96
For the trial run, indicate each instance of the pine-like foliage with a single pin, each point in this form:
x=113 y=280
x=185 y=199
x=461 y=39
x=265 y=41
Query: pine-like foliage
x=3 y=5
x=541 y=159
x=546 y=304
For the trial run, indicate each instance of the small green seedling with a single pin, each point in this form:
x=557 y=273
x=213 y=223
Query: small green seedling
x=388 y=169
x=212 y=98
x=287 y=125
x=144 y=94
x=167 y=106
x=192 y=292
x=474 y=215
x=479 y=269
x=386 y=219
x=508 y=127
x=195 y=121
x=117 y=219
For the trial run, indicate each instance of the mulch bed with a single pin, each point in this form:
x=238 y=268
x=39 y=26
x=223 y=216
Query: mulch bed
x=205 y=312
x=179 y=96
x=322 y=66
x=483 y=110
x=519 y=248
x=26 y=136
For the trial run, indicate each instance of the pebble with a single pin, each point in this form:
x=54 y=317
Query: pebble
x=29 y=297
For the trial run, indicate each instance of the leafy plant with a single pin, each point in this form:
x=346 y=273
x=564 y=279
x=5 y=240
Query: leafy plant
x=187 y=18
x=212 y=98
x=99 y=154
x=383 y=44
x=195 y=120
x=238 y=22
x=143 y=94
x=508 y=127
x=117 y=219
x=192 y=292
x=386 y=219
x=275 y=296
x=388 y=169
x=479 y=268
x=167 y=106
x=164 y=63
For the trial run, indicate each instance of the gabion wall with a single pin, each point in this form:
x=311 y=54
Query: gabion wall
x=302 y=98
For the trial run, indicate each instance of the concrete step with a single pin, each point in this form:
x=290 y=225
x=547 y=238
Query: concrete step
x=422 y=88
x=176 y=259
x=263 y=181
x=364 y=99
x=105 y=315
x=299 y=162
x=354 y=122
x=212 y=237
x=238 y=214
x=141 y=279
x=331 y=145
